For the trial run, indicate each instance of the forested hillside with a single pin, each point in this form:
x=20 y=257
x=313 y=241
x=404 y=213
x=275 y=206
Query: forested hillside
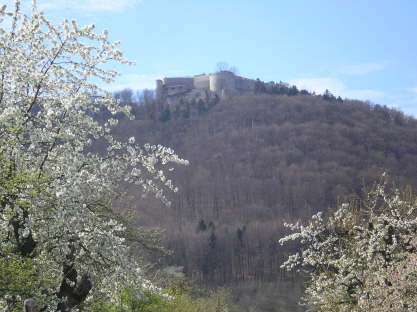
x=257 y=161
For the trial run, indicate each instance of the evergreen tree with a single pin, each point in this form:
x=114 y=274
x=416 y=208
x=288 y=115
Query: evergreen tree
x=201 y=107
x=186 y=113
x=201 y=227
x=293 y=91
x=240 y=234
x=165 y=114
x=212 y=240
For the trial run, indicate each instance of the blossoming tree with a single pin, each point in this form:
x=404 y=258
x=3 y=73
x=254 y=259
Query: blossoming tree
x=362 y=256
x=59 y=239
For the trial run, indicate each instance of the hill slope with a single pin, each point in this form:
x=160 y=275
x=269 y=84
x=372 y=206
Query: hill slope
x=259 y=160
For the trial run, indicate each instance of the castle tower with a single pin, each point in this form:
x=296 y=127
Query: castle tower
x=223 y=83
x=158 y=90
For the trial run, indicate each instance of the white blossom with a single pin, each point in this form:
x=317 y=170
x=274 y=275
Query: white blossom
x=49 y=77
x=349 y=253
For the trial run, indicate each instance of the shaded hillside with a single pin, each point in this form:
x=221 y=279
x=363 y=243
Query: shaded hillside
x=262 y=159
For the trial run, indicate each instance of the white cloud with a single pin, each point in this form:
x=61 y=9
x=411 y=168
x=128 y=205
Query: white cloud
x=414 y=90
x=363 y=94
x=360 y=69
x=134 y=82
x=88 y=5
x=336 y=87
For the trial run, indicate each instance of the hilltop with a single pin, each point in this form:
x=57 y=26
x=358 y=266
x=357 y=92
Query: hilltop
x=258 y=160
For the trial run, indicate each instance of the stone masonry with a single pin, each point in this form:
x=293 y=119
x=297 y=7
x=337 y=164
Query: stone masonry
x=222 y=84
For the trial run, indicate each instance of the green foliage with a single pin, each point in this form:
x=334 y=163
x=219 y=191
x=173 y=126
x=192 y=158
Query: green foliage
x=130 y=303
x=23 y=278
x=173 y=301
x=217 y=301
x=13 y=182
x=22 y=270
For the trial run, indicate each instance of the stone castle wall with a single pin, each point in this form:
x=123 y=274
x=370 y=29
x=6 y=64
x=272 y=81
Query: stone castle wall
x=223 y=83
x=202 y=82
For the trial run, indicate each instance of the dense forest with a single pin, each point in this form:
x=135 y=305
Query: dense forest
x=99 y=213
x=255 y=162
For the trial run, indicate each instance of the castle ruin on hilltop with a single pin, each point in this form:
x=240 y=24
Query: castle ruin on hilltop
x=221 y=84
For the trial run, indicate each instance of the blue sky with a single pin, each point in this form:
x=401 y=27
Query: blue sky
x=364 y=49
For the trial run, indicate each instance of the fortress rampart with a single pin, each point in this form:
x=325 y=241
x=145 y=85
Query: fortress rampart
x=222 y=84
